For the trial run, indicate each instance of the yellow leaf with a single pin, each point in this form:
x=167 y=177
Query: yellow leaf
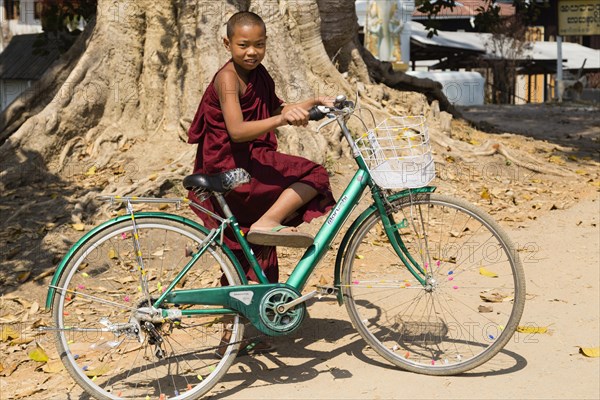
x=580 y=172
x=103 y=370
x=112 y=254
x=38 y=354
x=78 y=227
x=590 y=351
x=572 y=158
x=485 y=194
x=558 y=160
x=153 y=177
x=532 y=329
x=1 y=367
x=8 y=333
x=23 y=276
x=597 y=183
x=359 y=256
x=485 y=272
x=91 y=171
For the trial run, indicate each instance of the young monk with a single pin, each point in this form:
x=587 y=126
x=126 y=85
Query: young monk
x=233 y=128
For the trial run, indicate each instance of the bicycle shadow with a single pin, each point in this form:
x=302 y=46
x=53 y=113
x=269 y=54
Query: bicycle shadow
x=281 y=366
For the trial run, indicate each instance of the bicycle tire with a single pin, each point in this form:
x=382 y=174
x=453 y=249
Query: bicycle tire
x=472 y=304
x=101 y=288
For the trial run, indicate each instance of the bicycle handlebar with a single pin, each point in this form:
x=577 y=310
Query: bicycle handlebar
x=340 y=106
x=317 y=112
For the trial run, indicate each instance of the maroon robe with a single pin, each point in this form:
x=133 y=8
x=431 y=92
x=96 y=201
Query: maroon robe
x=271 y=171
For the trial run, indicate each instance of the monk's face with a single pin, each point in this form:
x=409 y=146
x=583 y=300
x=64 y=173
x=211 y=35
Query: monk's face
x=247 y=45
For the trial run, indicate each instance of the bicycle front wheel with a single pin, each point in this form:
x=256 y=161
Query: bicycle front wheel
x=100 y=296
x=472 y=298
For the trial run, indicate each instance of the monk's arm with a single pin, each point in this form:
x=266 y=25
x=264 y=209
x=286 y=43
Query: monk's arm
x=305 y=105
x=238 y=129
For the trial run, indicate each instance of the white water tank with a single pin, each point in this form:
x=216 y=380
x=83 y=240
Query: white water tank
x=462 y=88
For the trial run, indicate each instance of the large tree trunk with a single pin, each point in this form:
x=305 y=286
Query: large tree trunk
x=117 y=106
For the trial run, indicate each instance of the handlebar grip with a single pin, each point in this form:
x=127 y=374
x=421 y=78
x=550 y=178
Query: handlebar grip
x=315 y=114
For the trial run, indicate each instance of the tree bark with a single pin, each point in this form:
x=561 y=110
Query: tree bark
x=136 y=75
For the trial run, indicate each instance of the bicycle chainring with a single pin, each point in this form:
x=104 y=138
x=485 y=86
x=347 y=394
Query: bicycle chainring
x=281 y=323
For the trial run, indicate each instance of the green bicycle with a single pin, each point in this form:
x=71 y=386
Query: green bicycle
x=142 y=301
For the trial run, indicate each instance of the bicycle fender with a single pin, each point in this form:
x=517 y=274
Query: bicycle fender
x=355 y=225
x=142 y=215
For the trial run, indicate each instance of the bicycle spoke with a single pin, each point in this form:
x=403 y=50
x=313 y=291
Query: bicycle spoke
x=465 y=312
x=110 y=345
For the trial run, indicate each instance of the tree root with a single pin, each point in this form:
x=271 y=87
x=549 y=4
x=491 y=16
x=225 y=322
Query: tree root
x=466 y=153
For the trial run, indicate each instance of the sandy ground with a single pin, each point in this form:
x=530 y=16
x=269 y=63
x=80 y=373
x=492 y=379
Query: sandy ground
x=328 y=360
x=556 y=221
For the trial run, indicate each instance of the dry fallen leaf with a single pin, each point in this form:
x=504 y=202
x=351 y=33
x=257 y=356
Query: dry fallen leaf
x=21 y=340
x=112 y=254
x=158 y=253
x=485 y=194
x=23 y=276
x=485 y=309
x=532 y=329
x=78 y=227
x=8 y=333
x=593 y=352
x=9 y=319
x=28 y=392
x=53 y=367
x=494 y=297
x=91 y=171
x=35 y=307
x=558 y=160
x=485 y=272
x=103 y=370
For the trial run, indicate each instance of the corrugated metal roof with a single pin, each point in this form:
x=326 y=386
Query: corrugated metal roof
x=20 y=60
x=573 y=54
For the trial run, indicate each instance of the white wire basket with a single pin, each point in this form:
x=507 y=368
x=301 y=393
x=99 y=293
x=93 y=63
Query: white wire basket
x=398 y=153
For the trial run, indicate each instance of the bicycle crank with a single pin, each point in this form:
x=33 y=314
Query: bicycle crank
x=282 y=310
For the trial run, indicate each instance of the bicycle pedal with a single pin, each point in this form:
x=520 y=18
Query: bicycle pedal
x=327 y=290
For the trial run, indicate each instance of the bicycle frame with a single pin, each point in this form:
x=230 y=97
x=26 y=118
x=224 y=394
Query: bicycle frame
x=238 y=299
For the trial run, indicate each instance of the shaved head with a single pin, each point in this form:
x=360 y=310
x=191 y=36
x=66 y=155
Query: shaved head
x=244 y=18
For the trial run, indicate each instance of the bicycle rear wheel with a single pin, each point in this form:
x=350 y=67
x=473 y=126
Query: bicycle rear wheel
x=472 y=301
x=101 y=341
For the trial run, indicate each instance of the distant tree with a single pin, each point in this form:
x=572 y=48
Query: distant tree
x=508 y=42
x=62 y=21
x=488 y=16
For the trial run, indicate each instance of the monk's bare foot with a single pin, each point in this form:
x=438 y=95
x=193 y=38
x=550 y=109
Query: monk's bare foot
x=271 y=233
x=264 y=224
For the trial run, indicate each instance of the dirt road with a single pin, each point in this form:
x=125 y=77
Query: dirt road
x=328 y=360
x=553 y=219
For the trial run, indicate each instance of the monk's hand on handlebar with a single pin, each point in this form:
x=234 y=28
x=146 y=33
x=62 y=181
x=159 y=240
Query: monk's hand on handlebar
x=296 y=117
x=339 y=105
